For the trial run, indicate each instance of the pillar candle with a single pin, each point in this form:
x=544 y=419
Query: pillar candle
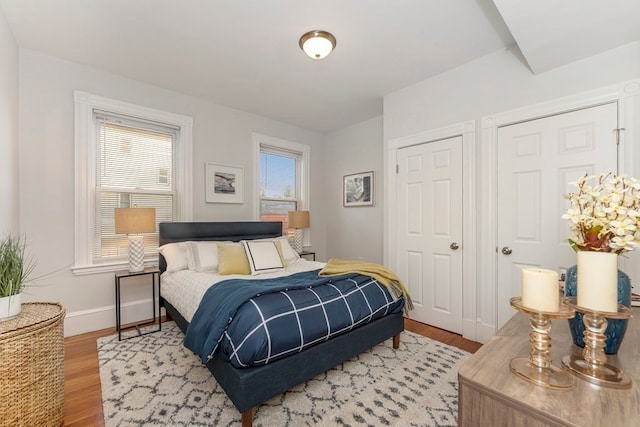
x=597 y=287
x=540 y=289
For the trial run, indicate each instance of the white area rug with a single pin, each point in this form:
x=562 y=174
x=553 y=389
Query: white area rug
x=155 y=380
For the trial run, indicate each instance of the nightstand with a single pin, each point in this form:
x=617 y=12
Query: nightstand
x=155 y=281
x=305 y=254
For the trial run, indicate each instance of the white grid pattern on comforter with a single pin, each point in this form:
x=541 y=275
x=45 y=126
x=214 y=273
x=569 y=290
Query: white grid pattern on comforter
x=350 y=299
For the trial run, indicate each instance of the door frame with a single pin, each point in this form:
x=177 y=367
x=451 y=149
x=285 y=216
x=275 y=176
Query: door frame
x=627 y=97
x=467 y=131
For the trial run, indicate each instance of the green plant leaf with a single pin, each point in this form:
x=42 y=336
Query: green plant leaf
x=15 y=267
x=573 y=245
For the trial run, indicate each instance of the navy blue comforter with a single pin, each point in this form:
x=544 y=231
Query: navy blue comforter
x=253 y=322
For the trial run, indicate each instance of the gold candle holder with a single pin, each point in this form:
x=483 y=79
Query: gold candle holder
x=593 y=366
x=537 y=368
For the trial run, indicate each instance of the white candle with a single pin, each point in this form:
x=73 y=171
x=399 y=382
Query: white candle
x=540 y=289
x=598 y=281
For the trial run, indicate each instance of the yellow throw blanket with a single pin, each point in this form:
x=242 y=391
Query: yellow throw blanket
x=337 y=267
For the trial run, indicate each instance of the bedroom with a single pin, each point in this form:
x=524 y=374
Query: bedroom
x=37 y=172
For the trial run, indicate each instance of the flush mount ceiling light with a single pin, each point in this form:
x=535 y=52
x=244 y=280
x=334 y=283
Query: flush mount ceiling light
x=317 y=44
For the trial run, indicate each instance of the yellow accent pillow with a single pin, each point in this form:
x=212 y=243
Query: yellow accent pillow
x=279 y=248
x=232 y=259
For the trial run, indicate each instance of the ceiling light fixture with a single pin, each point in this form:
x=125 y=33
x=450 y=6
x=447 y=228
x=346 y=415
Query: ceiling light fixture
x=317 y=44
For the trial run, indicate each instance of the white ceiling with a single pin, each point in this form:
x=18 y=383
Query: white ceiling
x=244 y=53
x=552 y=33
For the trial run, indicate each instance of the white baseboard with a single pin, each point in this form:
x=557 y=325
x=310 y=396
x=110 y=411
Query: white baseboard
x=477 y=331
x=484 y=332
x=469 y=329
x=80 y=322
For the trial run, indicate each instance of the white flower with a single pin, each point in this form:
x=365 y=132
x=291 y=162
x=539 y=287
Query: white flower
x=604 y=214
x=622 y=228
x=572 y=215
x=621 y=210
x=625 y=242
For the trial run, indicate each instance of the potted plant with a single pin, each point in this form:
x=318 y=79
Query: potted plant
x=15 y=269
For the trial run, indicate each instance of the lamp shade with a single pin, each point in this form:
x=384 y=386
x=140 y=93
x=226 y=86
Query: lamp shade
x=135 y=220
x=317 y=44
x=298 y=219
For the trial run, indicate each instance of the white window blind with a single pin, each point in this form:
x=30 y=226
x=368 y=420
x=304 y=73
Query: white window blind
x=134 y=167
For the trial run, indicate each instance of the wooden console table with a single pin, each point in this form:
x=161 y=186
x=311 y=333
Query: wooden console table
x=490 y=395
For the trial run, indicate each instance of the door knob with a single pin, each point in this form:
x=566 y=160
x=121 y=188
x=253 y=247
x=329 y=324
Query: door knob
x=506 y=250
x=454 y=246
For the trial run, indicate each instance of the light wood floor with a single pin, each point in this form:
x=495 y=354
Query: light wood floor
x=83 y=399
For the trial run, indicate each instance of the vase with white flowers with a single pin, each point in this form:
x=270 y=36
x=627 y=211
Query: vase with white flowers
x=604 y=218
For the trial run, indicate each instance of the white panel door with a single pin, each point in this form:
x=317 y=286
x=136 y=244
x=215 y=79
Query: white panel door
x=430 y=230
x=536 y=161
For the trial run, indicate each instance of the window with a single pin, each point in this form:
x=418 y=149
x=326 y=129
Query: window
x=163 y=175
x=126 y=156
x=283 y=171
x=279 y=184
x=129 y=178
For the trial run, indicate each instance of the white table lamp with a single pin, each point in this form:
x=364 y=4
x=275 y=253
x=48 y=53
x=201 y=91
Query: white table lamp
x=132 y=221
x=298 y=220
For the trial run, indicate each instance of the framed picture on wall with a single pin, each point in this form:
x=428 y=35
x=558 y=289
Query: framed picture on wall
x=223 y=183
x=357 y=190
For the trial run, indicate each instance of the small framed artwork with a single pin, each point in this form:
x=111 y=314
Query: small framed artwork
x=358 y=189
x=224 y=183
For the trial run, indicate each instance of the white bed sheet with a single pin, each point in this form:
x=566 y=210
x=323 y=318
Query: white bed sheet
x=185 y=288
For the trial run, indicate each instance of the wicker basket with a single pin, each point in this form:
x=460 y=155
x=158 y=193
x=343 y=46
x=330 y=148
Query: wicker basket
x=32 y=367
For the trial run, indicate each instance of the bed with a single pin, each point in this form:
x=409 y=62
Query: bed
x=251 y=386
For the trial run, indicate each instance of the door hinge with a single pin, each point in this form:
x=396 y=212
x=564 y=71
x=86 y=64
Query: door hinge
x=397 y=168
x=617 y=131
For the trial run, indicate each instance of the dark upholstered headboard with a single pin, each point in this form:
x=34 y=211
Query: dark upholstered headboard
x=171 y=232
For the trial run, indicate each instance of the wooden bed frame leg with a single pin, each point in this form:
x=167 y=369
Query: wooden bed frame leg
x=247 y=418
x=396 y=341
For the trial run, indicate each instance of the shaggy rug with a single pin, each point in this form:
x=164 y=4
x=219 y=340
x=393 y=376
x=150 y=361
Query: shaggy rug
x=155 y=380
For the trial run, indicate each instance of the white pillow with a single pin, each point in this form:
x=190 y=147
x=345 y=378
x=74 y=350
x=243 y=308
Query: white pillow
x=263 y=256
x=288 y=253
x=175 y=254
x=203 y=256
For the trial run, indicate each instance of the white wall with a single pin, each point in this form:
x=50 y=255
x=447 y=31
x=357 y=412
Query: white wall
x=9 y=202
x=220 y=135
x=498 y=82
x=354 y=233
x=492 y=84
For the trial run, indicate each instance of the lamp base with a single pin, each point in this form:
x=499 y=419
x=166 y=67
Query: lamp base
x=296 y=240
x=136 y=254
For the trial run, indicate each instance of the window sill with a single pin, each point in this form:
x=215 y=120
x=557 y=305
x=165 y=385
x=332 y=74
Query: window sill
x=85 y=270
